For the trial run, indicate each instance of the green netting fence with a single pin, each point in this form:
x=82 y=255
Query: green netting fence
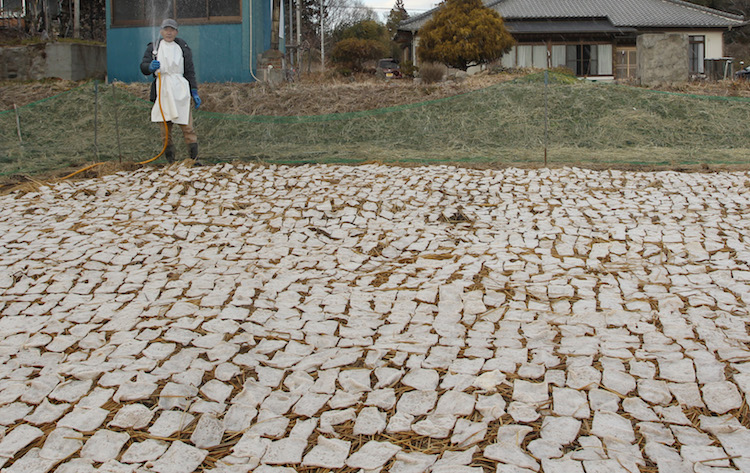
x=530 y=121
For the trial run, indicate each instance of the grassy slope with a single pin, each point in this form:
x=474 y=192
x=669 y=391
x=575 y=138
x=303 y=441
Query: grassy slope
x=589 y=124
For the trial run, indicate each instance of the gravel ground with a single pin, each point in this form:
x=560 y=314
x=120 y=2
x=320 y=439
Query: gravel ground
x=376 y=318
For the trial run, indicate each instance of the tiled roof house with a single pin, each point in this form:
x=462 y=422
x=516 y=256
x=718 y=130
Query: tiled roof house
x=597 y=38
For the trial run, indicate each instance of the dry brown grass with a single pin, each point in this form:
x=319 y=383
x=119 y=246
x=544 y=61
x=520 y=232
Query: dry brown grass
x=725 y=88
x=664 y=131
x=25 y=92
x=319 y=94
x=432 y=73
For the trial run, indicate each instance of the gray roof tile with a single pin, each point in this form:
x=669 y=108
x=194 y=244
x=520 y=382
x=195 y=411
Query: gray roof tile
x=623 y=13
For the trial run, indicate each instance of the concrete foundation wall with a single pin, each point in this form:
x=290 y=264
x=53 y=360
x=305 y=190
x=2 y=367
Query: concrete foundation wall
x=663 y=59
x=69 y=61
x=76 y=61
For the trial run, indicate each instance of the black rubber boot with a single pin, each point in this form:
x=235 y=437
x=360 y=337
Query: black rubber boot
x=193 y=147
x=169 y=154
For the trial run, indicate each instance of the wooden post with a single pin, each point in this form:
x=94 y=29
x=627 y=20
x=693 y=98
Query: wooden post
x=18 y=124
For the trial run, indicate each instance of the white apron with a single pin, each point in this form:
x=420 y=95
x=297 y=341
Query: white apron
x=175 y=89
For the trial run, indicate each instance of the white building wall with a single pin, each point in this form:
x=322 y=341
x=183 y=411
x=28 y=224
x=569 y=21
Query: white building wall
x=714 y=44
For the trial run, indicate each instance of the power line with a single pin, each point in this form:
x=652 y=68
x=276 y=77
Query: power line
x=378 y=8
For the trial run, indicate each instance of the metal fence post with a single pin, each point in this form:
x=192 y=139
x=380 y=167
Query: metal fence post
x=117 y=122
x=546 y=116
x=96 y=117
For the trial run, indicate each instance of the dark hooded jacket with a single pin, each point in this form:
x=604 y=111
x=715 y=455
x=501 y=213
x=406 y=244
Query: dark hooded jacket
x=187 y=54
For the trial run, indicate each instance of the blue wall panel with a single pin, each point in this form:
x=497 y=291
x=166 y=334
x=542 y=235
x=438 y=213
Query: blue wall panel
x=221 y=52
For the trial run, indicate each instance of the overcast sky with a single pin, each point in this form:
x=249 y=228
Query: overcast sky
x=414 y=7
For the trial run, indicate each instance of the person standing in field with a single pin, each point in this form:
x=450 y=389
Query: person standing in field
x=172 y=59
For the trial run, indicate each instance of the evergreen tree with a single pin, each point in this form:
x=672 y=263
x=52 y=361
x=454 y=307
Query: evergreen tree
x=395 y=17
x=352 y=53
x=464 y=33
x=365 y=29
x=358 y=43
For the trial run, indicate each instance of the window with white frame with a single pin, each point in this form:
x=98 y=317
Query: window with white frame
x=509 y=58
x=12 y=8
x=605 y=59
x=589 y=59
x=526 y=55
x=558 y=55
x=697 y=54
x=539 y=56
x=583 y=59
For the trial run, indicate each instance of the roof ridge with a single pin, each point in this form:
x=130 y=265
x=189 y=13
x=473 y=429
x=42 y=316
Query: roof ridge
x=412 y=19
x=697 y=9
x=709 y=10
x=489 y=4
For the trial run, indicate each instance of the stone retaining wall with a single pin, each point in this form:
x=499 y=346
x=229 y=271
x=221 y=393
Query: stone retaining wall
x=662 y=59
x=69 y=61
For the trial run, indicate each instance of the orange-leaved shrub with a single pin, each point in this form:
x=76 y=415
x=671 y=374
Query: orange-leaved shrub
x=464 y=33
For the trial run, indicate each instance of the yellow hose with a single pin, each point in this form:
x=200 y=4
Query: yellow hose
x=164 y=120
x=81 y=170
x=166 y=139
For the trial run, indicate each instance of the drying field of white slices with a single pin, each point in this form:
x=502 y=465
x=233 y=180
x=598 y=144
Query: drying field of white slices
x=374 y=318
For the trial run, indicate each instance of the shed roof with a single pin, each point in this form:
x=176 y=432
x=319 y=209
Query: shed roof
x=621 y=13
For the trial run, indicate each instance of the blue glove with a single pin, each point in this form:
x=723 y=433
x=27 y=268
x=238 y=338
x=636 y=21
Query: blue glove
x=154 y=65
x=196 y=99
